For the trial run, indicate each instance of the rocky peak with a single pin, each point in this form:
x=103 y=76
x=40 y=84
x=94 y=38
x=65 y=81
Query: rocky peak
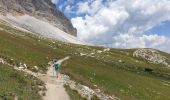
x=41 y=9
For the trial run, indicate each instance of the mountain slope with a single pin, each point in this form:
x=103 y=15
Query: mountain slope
x=39 y=17
x=42 y=28
x=40 y=9
x=114 y=71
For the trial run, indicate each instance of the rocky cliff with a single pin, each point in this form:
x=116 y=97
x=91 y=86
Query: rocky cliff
x=41 y=9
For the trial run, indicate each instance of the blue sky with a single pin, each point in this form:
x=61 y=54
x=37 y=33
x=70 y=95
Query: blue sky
x=163 y=29
x=120 y=23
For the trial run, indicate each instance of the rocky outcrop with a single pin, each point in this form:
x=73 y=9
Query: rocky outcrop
x=151 y=56
x=41 y=9
x=87 y=92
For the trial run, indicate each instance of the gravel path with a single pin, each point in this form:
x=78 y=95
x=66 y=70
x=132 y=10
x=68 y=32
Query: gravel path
x=54 y=85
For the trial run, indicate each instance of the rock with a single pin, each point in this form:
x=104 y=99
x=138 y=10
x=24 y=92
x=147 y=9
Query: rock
x=151 y=56
x=21 y=68
x=36 y=67
x=25 y=66
x=41 y=9
x=107 y=49
x=85 y=91
x=120 y=61
x=2 y=61
x=92 y=53
x=99 y=51
x=82 y=54
x=16 y=97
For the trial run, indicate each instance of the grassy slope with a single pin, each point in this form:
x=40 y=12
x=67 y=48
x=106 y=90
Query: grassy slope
x=27 y=49
x=126 y=80
x=14 y=83
x=122 y=83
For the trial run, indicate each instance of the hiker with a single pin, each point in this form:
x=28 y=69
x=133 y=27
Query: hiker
x=57 y=68
x=57 y=65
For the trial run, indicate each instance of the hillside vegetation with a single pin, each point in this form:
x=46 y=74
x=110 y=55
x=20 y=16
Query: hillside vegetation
x=16 y=84
x=114 y=71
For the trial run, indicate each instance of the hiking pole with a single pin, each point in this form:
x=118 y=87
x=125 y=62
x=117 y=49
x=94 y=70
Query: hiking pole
x=53 y=71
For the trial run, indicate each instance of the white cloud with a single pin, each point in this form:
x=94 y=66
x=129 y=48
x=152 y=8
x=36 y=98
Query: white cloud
x=55 y=1
x=90 y=6
x=83 y=7
x=122 y=23
x=101 y=23
x=144 y=41
x=86 y=28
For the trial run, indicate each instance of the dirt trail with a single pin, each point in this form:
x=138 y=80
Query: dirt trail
x=54 y=85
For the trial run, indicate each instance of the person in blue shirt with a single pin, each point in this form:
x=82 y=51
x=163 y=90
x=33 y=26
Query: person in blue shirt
x=56 y=67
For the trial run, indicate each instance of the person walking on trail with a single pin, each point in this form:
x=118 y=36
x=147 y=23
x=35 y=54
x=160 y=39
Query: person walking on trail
x=56 y=67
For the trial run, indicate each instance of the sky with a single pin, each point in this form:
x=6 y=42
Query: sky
x=120 y=23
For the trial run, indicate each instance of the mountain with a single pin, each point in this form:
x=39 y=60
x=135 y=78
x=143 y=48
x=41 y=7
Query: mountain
x=41 y=9
x=39 y=16
x=127 y=74
x=32 y=39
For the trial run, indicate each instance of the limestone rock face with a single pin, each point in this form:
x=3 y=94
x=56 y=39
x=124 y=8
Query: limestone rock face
x=41 y=9
x=152 y=56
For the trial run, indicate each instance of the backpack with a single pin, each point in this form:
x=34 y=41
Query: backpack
x=56 y=66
